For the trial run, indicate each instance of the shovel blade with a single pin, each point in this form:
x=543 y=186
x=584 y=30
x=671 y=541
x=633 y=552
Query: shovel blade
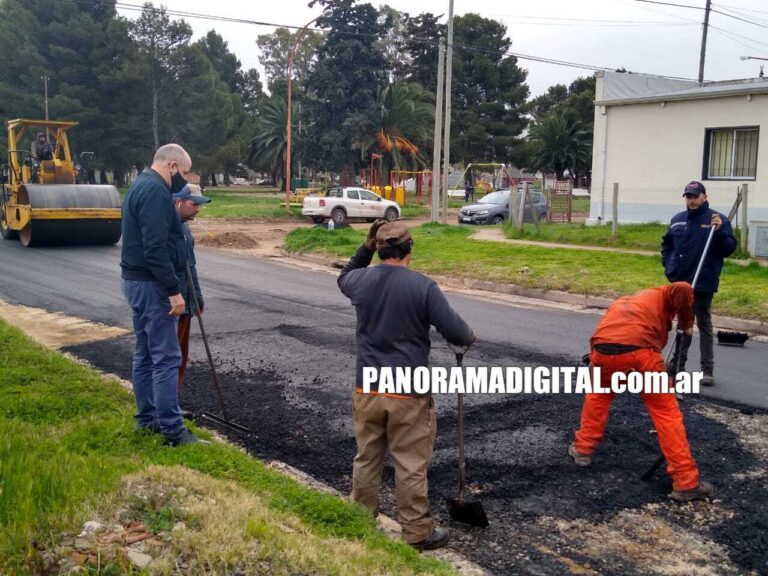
x=471 y=513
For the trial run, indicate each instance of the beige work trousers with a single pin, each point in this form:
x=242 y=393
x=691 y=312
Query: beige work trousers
x=407 y=427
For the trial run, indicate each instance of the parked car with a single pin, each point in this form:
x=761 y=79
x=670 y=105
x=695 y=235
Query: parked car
x=341 y=204
x=494 y=208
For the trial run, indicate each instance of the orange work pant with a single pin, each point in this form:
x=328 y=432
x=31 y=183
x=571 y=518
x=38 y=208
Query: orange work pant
x=663 y=409
x=182 y=332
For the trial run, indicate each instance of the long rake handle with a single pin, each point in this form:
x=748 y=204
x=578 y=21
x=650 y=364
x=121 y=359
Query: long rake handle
x=196 y=312
x=678 y=343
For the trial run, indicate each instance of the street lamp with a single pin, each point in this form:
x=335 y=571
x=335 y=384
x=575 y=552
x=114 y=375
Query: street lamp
x=299 y=34
x=762 y=74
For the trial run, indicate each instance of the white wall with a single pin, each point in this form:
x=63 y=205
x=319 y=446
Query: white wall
x=652 y=151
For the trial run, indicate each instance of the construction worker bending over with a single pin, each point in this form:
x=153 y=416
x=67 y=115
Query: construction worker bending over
x=395 y=308
x=630 y=337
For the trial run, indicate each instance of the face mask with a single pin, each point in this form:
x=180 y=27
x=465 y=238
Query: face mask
x=177 y=182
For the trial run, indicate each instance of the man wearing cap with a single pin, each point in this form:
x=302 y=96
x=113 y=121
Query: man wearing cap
x=41 y=148
x=188 y=201
x=395 y=308
x=681 y=250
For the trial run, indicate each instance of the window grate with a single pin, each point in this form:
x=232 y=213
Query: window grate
x=731 y=153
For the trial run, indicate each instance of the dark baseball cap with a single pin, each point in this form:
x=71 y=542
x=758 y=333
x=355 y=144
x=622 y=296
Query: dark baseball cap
x=187 y=193
x=695 y=188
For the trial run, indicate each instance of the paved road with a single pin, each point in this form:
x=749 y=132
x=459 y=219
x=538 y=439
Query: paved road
x=283 y=338
x=243 y=293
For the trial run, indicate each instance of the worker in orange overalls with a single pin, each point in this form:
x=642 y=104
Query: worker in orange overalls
x=630 y=337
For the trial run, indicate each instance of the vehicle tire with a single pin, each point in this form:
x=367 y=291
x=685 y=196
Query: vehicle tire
x=6 y=232
x=497 y=219
x=318 y=219
x=338 y=215
x=391 y=214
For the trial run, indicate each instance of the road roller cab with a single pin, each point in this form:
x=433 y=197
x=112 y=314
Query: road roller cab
x=40 y=204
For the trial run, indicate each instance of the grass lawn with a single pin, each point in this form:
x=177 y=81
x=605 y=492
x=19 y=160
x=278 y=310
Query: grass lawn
x=69 y=451
x=634 y=236
x=448 y=250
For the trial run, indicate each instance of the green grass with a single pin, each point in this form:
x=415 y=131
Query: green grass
x=631 y=236
x=634 y=236
x=448 y=250
x=233 y=204
x=67 y=438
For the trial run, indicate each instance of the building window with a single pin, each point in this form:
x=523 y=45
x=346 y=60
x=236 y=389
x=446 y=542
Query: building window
x=731 y=153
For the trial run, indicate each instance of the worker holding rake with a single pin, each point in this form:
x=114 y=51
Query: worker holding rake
x=630 y=337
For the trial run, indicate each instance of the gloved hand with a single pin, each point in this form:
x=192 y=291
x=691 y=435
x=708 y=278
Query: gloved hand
x=370 y=240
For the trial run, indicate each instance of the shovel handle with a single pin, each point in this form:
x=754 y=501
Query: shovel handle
x=460 y=434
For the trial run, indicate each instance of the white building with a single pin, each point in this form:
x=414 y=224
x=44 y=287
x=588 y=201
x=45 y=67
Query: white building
x=653 y=135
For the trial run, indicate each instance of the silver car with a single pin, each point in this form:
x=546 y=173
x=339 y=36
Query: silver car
x=494 y=208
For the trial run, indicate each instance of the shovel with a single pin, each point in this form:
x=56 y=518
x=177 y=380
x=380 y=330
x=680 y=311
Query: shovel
x=223 y=419
x=678 y=342
x=471 y=513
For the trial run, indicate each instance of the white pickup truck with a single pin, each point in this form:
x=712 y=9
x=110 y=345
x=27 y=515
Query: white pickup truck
x=340 y=204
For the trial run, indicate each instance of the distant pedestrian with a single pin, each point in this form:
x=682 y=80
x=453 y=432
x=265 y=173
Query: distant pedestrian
x=188 y=202
x=469 y=191
x=153 y=259
x=630 y=338
x=395 y=307
x=681 y=250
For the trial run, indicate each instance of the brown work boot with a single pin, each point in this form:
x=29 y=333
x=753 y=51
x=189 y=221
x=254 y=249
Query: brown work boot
x=703 y=491
x=583 y=460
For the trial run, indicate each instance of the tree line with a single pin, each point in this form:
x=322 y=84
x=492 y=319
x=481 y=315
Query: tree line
x=363 y=83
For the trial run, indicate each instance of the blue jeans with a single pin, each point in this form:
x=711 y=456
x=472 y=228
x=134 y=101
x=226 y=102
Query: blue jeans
x=156 y=359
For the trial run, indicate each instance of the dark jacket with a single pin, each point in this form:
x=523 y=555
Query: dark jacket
x=683 y=245
x=395 y=309
x=192 y=263
x=153 y=240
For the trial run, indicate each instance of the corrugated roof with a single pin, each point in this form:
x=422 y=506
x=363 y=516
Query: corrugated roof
x=622 y=89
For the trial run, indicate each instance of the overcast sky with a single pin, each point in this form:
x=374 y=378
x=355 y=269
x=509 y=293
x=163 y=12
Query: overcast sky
x=640 y=37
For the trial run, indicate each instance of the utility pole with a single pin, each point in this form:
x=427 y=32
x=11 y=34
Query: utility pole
x=288 y=127
x=45 y=83
x=447 y=139
x=438 y=133
x=703 y=54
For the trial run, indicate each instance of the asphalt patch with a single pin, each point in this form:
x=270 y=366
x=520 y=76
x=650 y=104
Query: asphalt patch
x=542 y=509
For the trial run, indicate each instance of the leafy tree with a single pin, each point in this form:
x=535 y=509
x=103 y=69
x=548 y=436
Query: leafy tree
x=559 y=144
x=158 y=39
x=542 y=105
x=488 y=93
x=404 y=125
x=420 y=50
x=275 y=50
x=266 y=151
x=346 y=79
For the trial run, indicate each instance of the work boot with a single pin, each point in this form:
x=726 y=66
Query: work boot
x=583 y=460
x=437 y=539
x=708 y=380
x=703 y=491
x=184 y=438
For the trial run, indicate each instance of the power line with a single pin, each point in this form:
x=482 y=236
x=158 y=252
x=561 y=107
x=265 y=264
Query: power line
x=670 y=4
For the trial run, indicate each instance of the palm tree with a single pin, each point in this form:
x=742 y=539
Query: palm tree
x=267 y=149
x=406 y=118
x=560 y=144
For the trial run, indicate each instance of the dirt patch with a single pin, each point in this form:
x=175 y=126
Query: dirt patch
x=227 y=240
x=55 y=330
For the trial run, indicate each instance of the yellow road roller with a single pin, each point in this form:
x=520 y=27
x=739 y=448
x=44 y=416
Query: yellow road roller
x=40 y=204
